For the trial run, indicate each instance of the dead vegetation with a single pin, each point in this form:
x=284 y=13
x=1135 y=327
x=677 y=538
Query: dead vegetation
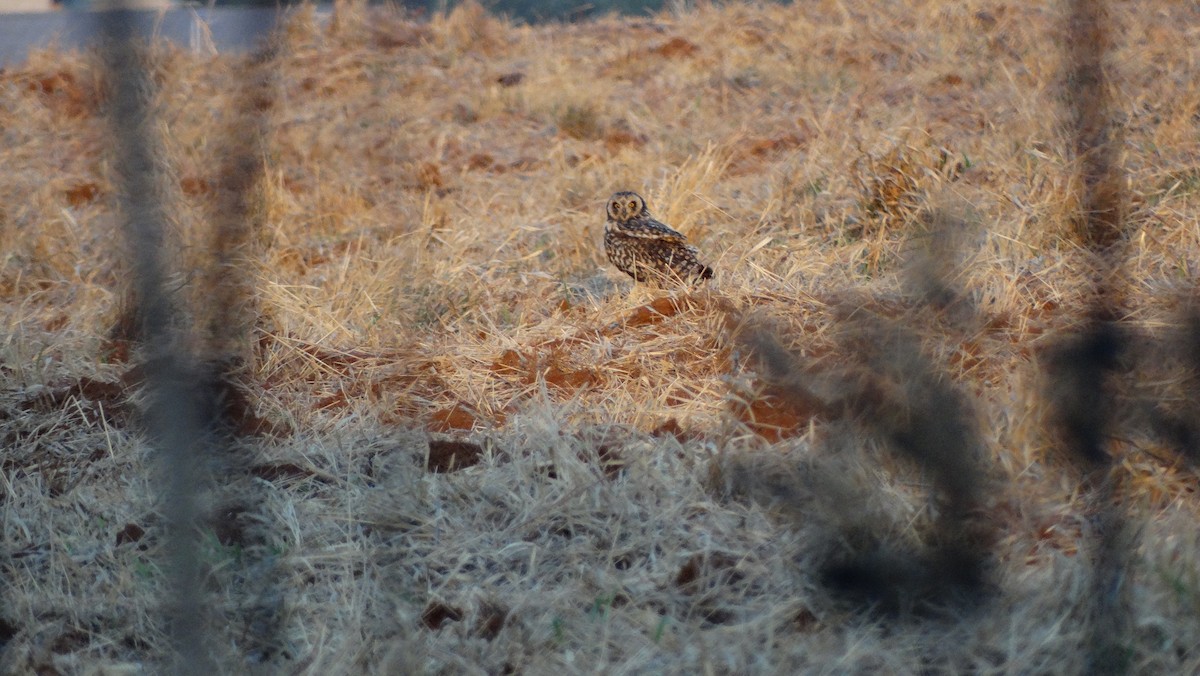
x=464 y=445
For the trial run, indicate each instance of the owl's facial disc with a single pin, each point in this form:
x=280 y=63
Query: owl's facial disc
x=625 y=205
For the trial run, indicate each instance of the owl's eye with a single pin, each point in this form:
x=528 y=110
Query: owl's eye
x=632 y=205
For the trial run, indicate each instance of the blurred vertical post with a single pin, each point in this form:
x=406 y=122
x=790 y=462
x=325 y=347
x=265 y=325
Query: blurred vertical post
x=1085 y=365
x=227 y=346
x=179 y=418
x=1095 y=145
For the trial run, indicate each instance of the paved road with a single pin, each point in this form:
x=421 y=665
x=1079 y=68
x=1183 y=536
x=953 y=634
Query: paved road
x=232 y=29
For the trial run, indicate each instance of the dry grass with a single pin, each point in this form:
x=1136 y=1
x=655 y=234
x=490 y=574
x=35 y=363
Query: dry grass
x=892 y=189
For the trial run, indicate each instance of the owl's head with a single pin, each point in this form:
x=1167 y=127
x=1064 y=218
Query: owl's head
x=625 y=205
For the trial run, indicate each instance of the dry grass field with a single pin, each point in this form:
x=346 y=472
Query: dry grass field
x=466 y=444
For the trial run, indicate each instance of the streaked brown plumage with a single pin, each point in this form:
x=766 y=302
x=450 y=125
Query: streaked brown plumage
x=645 y=248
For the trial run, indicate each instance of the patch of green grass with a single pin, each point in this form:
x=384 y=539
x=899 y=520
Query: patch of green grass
x=580 y=121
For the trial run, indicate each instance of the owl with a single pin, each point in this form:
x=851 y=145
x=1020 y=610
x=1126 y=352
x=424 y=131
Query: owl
x=646 y=249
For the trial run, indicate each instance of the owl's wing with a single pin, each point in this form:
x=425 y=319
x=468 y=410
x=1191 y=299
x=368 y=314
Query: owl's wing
x=648 y=228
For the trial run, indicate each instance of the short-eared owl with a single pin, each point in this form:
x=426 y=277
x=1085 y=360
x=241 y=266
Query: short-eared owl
x=646 y=249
